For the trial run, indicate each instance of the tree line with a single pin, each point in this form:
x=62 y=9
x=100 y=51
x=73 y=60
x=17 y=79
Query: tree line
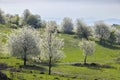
x=15 y=21
x=99 y=30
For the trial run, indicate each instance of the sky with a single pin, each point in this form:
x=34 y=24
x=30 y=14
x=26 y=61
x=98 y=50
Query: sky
x=56 y=9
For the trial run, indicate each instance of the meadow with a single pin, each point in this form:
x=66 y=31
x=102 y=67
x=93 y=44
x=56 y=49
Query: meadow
x=101 y=66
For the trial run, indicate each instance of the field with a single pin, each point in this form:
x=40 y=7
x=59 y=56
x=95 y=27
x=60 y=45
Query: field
x=102 y=65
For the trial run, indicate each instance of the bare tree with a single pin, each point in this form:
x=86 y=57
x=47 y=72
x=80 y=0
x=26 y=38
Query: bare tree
x=51 y=47
x=67 y=25
x=102 y=30
x=24 y=42
x=88 y=48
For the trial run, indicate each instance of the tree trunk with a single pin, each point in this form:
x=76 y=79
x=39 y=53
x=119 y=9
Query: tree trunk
x=85 y=59
x=25 y=56
x=50 y=57
x=25 y=60
x=112 y=43
x=100 y=40
x=50 y=66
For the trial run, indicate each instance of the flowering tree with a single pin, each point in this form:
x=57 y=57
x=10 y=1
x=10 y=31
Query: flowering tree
x=51 y=47
x=67 y=25
x=31 y=19
x=118 y=36
x=88 y=48
x=83 y=31
x=53 y=26
x=24 y=42
x=102 y=30
x=113 y=37
x=0 y=46
x=2 y=19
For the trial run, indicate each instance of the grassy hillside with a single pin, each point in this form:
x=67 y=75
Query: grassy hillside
x=66 y=69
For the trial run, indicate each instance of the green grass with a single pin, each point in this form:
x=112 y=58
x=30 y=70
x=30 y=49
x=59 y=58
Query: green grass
x=64 y=71
x=33 y=76
x=73 y=52
x=86 y=73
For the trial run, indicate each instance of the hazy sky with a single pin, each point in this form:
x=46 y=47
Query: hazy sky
x=64 y=8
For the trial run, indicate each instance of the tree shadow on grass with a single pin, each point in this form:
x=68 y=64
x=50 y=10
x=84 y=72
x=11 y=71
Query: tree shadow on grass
x=33 y=67
x=45 y=64
x=107 y=45
x=4 y=76
x=92 y=65
x=4 y=66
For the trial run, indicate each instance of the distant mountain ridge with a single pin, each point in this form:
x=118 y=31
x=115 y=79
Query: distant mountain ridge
x=112 y=21
x=89 y=21
x=109 y=21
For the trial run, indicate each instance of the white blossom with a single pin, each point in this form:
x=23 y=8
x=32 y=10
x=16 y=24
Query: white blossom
x=51 y=45
x=102 y=30
x=88 y=48
x=67 y=25
x=53 y=25
x=24 y=42
x=118 y=36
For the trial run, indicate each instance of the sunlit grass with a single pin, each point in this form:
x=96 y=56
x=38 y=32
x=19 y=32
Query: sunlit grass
x=102 y=55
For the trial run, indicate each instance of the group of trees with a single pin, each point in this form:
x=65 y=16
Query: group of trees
x=82 y=30
x=100 y=30
x=33 y=20
x=11 y=20
x=105 y=33
x=27 y=43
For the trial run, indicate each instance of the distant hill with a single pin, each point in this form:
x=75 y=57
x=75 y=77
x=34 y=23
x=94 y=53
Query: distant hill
x=112 y=21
